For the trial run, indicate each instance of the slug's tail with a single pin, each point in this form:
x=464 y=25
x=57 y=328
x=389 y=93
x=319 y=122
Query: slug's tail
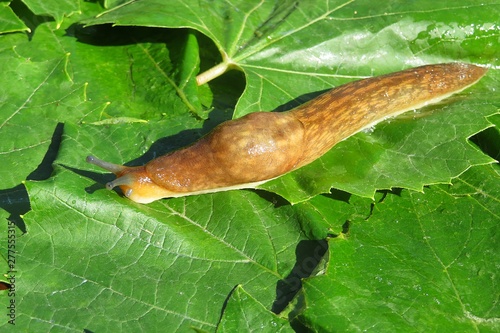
x=352 y=107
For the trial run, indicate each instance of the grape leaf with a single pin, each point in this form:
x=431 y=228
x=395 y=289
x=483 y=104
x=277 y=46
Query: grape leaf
x=9 y=22
x=420 y=262
x=138 y=267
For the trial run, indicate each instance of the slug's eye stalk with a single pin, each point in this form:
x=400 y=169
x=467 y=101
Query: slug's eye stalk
x=126 y=180
x=133 y=181
x=118 y=170
x=114 y=168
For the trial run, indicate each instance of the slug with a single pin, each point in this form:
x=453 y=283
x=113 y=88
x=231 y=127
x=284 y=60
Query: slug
x=247 y=152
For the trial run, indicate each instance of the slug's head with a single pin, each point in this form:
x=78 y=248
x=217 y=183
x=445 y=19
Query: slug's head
x=133 y=181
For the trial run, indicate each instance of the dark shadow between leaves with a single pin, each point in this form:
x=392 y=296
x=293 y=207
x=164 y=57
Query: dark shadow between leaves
x=488 y=141
x=309 y=254
x=16 y=202
x=338 y=195
x=304 y=98
x=394 y=191
x=45 y=169
x=277 y=200
x=109 y=35
x=31 y=20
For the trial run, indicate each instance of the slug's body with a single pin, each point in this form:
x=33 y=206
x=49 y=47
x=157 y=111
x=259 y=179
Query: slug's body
x=249 y=151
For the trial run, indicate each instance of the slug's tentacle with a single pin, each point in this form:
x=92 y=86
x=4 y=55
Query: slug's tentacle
x=126 y=180
x=118 y=170
x=133 y=181
x=258 y=147
x=114 y=168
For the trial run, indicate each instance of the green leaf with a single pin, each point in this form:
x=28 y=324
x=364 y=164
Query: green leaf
x=9 y=22
x=140 y=266
x=58 y=9
x=421 y=262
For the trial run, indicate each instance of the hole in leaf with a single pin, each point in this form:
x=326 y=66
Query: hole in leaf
x=489 y=142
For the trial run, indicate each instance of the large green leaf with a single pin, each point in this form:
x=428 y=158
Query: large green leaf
x=89 y=259
x=141 y=267
x=421 y=262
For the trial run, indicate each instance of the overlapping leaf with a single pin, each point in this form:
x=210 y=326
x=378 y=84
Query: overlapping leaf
x=9 y=22
x=287 y=49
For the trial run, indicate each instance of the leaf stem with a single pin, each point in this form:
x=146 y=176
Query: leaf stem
x=213 y=72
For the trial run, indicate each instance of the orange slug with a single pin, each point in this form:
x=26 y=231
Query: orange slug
x=247 y=152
